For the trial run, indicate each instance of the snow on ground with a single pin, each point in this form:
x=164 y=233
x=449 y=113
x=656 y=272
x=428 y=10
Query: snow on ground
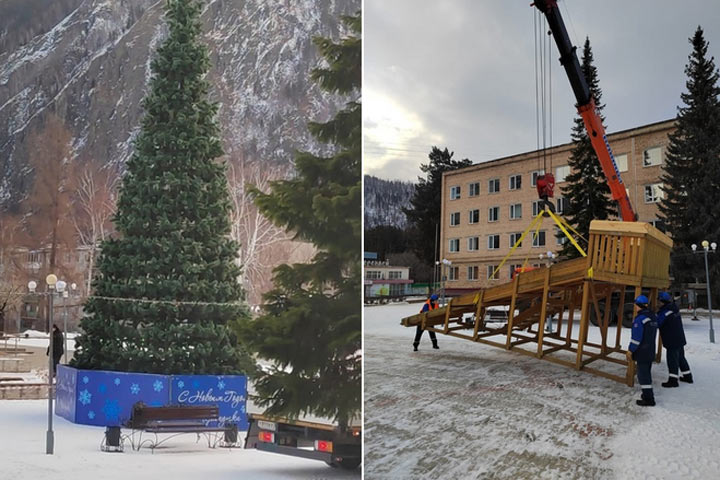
x=23 y=425
x=471 y=410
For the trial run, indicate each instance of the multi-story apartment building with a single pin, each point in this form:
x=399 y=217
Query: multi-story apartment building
x=487 y=206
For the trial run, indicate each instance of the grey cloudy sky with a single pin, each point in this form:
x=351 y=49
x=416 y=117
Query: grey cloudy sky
x=461 y=73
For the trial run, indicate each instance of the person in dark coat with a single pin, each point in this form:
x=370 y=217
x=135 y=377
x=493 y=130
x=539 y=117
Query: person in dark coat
x=430 y=304
x=58 y=347
x=673 y=338
x=642 y=346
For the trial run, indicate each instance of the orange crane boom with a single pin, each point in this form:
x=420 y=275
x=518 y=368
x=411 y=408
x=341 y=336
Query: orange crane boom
x=586 y=107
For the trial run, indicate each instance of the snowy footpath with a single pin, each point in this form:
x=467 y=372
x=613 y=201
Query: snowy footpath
x=471 y=410
x=77 y=456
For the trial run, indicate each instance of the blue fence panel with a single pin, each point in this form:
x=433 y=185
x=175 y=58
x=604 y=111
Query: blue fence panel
x=106 y=398
x=229 y=392
x=65 y=392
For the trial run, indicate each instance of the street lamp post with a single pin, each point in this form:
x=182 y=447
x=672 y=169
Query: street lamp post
x=53 y=285
x=706 y=248
x=446 y=270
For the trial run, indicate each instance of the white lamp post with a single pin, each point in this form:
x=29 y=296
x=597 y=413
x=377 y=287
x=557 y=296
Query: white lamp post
x=706 y=248
x=447 y=263
x=52 y=282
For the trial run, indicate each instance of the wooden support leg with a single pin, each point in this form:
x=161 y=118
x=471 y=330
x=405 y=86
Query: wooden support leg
x=448 y=307
x=511 y=313
x=479 y=310
x=606 y=322
x=584 y=320
x=620 y=312
x=571 y=316
x=543 y=313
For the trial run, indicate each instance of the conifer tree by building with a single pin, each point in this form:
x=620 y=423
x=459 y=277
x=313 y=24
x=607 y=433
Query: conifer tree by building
x=424 y=213
x=311 y=329
x=167 y=286
x=691 y=171
x=587 y=193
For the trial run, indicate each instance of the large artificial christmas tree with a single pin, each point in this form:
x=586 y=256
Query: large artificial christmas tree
x=587 y=193
x=424 y=214
x=691 y=174
x=310 y=330
x=167 y=286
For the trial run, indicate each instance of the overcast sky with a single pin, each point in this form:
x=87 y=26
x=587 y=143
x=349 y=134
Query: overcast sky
x=461 y=73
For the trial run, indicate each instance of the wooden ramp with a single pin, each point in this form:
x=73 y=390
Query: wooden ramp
x=624 y=260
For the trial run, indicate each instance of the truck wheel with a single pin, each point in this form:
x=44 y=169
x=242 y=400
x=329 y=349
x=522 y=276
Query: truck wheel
x=349 y=463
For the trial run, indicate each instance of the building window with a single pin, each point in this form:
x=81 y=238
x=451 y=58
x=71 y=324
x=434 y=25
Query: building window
x=652 y=157
x=474 y=216
x=453 y=273
x=539 y=239
x=653 y=193
x=372 y=274
x=560 y=238
x=473 y=243
x=534 y=176
x=536 y=208
x=474 y=189
x=472 y=272
x=516 y=211
x=491 y=271
x=561 y=205
x=455 y=192
x=397 y=290
x=561 y=173
x=515 y=182
x=455 y=245
x=493 y=214
x=395 y=274
x=622 y=162
x=493 y=242
x=514 y=237
x=454 y=219
x=659 y=224
x=512 y=270
x=494 y=185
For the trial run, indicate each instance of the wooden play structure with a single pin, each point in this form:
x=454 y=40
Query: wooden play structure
x=624 y=259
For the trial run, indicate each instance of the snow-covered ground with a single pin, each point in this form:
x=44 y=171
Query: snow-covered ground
x=471 y=410
x=23 y=424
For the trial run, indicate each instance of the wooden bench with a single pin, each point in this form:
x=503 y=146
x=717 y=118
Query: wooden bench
x=176 y=420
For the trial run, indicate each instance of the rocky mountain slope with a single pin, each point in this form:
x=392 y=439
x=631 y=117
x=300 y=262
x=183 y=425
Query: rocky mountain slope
x=88 y=61
x=384 y=201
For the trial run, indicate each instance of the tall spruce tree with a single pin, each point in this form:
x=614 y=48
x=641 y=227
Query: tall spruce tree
x=587 y=193
x=173 y=263
x=424 y=214
x=691 y=174
x=310 y=330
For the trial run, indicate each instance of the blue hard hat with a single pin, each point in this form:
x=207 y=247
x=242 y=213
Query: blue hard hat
x=642 y=300
x=433 y=297
x=665 y=297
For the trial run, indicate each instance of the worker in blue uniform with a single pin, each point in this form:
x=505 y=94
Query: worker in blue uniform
x=673 y=338
x=642 y=346
x=430 y=304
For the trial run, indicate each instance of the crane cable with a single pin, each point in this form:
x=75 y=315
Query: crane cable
x=543 y=89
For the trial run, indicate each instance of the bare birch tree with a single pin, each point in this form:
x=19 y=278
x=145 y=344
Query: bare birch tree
x=94 y=204
x=262 y=244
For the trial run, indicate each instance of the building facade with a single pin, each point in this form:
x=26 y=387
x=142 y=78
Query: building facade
x=384 y=280
x=486 y=207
